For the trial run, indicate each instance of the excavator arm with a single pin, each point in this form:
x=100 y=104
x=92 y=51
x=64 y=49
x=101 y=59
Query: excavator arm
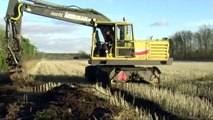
x=72 y=14
x=13 y=20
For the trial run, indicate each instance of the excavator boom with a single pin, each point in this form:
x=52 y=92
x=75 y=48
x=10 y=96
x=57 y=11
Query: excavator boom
x=72 y=14
x=13 y=19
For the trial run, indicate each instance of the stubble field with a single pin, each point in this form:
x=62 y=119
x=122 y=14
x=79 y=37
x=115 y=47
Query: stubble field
x=186 y=92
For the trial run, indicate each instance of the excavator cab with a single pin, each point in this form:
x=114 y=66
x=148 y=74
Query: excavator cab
x=124 y=40
x=113 y=40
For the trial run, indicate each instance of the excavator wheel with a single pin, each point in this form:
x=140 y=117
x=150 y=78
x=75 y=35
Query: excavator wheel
x=104 y=75
x=90 y=74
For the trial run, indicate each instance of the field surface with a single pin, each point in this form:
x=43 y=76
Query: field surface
x=56 y=89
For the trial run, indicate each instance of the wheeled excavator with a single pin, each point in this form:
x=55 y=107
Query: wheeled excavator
x=115 y=58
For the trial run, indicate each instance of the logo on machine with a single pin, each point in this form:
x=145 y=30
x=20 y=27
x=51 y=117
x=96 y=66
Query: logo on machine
x=142 y=52
x=76 y=17
x=57 y=14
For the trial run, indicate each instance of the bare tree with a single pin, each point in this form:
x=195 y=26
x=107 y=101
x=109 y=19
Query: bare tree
x=189 y=45
x=182 y=44
x=204 y=37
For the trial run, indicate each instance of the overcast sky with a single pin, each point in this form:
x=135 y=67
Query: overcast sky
x=157 y=18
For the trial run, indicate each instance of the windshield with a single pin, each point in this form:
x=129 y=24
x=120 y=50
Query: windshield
x=124 y=32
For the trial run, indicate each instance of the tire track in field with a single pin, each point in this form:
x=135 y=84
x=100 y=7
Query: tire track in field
x=42 y=68
x=34 y=70
x=59 y=71
x=59 y=67
x=71 y=68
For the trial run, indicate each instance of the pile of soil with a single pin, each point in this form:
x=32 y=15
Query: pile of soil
x=63 y=102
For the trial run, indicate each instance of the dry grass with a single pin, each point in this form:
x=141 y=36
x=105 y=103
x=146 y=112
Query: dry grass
x=191 y=78
x=58 y=67
x=186 y=88
x=129 y=112
x=175 y=102
x=59 y=71
x=53 y=68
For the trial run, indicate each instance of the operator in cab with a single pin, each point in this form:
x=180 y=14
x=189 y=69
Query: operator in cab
x=109 y=40
x=109 y=37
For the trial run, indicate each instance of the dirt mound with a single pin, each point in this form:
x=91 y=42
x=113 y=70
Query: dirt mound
x=72 y=102
x=63 y=102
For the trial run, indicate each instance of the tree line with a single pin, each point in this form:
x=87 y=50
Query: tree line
x=62 y=56
x=2 y=54
x=188 y=45
x=29 y=51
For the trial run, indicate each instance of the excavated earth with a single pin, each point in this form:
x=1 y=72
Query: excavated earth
x=63 y=102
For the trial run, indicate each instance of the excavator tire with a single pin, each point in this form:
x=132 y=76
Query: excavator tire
x=90 y=74
x=104 y=75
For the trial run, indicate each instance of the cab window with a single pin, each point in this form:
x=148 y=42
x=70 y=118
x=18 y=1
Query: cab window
x=124 y=32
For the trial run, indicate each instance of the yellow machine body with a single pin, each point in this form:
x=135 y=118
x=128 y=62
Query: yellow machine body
x=125 y=50
x=152 y=49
